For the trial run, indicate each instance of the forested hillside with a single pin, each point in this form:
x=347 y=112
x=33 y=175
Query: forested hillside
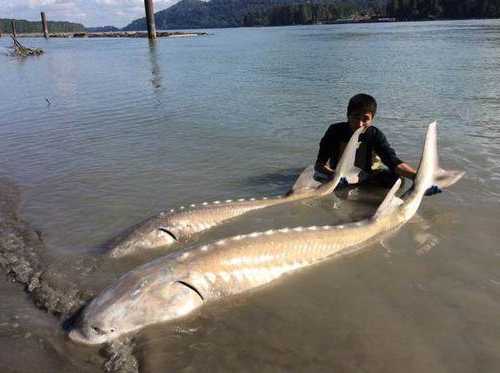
x=234 y=13
x=23 y=26
x=439 y=9
x=303 y=14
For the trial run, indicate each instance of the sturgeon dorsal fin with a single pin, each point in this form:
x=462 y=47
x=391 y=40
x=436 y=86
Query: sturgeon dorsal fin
x=390 y=201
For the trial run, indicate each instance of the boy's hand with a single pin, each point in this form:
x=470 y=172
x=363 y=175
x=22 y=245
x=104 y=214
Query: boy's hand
x=433 y=190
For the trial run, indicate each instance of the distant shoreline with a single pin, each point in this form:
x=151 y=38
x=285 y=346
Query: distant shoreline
x=173 y=34
x=397 y=20
x=112 y=34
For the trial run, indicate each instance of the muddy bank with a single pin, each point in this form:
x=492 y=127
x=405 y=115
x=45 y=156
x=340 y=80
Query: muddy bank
x=21 y=250
x=22 y=258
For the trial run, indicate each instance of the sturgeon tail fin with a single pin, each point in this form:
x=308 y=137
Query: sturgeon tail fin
x=345 y=166
x=428 y=161
x=429 y=173
x=445 y=178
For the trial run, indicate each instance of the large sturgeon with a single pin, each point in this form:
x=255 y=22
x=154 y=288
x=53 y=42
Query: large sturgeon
x=183 y=224
x=174 y=285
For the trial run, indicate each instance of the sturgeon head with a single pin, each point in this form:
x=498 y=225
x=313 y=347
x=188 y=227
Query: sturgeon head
x=147 y=295
x=152 y=233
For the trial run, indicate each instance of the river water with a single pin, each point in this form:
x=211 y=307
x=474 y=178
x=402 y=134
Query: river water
x=102 y=133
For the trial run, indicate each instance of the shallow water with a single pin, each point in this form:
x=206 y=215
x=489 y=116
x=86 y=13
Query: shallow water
x=133 y=128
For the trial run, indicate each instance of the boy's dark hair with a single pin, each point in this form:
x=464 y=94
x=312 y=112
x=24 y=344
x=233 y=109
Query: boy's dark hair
x=362 y=103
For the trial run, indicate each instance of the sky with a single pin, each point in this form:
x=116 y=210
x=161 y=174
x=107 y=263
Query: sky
x=91 y=13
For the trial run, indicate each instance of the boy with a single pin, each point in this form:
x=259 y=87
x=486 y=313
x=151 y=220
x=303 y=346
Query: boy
x=360 y=113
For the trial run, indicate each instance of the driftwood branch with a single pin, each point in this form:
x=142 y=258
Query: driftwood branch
x=20 y=50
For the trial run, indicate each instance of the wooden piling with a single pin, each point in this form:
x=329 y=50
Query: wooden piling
x=150 y=18
x=13 y=26
x=45 y=27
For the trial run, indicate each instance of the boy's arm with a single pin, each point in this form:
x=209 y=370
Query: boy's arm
x=402 y=168
x=405 y=170
x=323 y=168
x=390 y=159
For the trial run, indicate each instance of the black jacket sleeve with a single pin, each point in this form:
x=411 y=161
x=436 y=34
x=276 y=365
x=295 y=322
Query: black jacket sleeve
x=384 y=150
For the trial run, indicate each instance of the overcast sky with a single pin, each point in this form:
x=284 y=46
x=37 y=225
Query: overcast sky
x=89 y=12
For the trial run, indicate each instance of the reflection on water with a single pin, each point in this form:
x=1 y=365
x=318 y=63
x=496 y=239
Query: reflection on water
x=155 y=67
x=280 y=180
x=136 y=128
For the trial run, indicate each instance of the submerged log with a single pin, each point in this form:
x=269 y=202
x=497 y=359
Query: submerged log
x=20 y=50
x=114 y=34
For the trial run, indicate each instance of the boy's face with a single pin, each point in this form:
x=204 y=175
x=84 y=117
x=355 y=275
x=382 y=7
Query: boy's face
x=360 y=119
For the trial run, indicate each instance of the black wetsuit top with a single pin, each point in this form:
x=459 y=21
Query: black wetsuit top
x=373 y=141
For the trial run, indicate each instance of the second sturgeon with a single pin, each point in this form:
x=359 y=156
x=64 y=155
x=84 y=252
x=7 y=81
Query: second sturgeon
x=183 y=224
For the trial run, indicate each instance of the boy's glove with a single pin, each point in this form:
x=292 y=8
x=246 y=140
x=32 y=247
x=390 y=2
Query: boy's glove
x=433 y=190
x=343 y=182
x=321 y=177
